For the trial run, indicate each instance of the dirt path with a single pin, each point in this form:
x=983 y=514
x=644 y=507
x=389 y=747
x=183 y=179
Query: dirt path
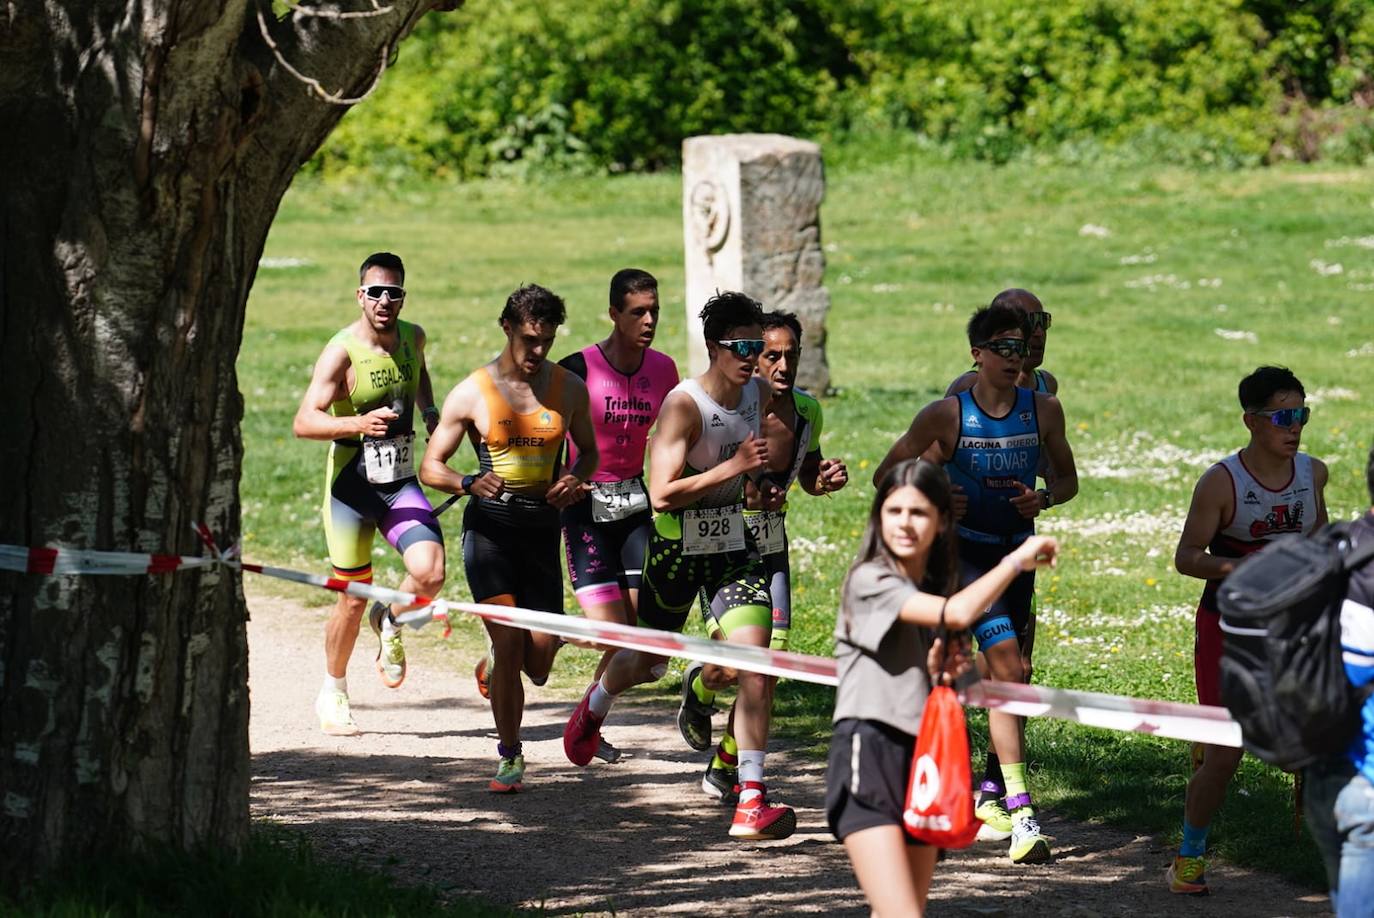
x=409 y=796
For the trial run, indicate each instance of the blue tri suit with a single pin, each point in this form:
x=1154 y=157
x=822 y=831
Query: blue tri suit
x=991 y=457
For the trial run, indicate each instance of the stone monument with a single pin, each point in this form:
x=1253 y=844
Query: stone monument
x=751 y=219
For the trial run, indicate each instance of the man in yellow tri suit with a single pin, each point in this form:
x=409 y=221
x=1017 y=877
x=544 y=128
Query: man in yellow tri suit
x=362 y=398
x=517 y=411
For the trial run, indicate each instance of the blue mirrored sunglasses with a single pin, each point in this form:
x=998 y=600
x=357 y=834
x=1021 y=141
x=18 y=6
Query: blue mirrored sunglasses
x=1286 y=417
x=743 y=348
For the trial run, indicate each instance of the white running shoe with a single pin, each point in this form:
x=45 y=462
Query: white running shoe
x=335 y=717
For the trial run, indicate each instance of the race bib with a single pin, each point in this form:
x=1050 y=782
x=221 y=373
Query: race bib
x=766 y=529
x=618 y=500
x=393 y=459
x=712 y=531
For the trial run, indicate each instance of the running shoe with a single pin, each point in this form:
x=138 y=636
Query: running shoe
x=582 y=732
x=758 y=820
x=694 y=716
x=335 y=718
x=606 y=752
x=510 y=775
x=996 y=820
x=1028 y=845
x=391 y=653
x=721 y=782
x=483 y=673
x=1188 y=876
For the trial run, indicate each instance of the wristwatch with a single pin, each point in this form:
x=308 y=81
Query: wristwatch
x=467 y=483
x=1046 y=498
x=429 y=411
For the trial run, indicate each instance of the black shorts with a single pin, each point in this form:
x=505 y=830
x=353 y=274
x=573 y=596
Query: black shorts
x=866 y=780
x=1009 y=615
x=604 y=558
x=501 y=560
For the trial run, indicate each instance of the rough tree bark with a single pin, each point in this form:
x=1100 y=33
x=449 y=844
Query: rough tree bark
x=149 y=144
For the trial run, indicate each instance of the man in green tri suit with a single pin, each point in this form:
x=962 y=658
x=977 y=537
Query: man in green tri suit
x=362 y=398
x=792 y=427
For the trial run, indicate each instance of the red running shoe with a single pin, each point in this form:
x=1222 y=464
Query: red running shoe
x=758 y=820
x=483 y=683
x=582 y=732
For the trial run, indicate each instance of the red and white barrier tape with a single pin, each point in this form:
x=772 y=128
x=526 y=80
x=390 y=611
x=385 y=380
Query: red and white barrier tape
x=1196 y=723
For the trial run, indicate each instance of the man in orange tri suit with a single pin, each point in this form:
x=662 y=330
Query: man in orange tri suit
x=516 y=410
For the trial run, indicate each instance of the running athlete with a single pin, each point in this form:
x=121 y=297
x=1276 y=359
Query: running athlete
x=991 y=438
x=362 y=396
x=627 y=381
x=517 y=411
x=792 y=427
x=706 y=445
x=1265 y=491
x=996 y=820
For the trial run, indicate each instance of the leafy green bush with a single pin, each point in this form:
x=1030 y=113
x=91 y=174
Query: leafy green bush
x=511 y=86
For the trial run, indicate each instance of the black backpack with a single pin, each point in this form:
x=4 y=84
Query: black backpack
x=1281 y=672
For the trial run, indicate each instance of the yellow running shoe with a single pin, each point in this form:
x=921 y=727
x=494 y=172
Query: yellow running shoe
x=1188 y=876
x=391 y=653
x=996 y=820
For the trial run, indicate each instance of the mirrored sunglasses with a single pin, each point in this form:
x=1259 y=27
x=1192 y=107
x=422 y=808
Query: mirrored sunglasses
x=1006 y=348
x=1286 y=417
x=743 y=348
x=375 y=291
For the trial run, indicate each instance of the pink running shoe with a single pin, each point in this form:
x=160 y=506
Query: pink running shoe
x=758 y=820
x=582 y=733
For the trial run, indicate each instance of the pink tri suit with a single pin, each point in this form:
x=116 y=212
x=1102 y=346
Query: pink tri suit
x=1260 y=516
x=606 y=534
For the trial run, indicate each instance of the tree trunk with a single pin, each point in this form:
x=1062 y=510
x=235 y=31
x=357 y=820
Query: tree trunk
x=148 y=147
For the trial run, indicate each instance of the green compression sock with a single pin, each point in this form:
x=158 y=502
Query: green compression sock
x=704 y=695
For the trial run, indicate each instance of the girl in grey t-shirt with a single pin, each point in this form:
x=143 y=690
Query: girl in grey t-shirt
x=894 y=595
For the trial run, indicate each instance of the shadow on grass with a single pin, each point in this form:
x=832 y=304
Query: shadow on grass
x=277 y=874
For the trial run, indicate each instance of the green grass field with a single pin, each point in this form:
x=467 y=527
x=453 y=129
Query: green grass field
x=1167 y=286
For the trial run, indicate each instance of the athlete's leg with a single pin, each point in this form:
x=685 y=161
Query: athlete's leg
x=540 y=589
x=1207 y=786
x=507 y=690
x=348 y=533
x=411 y=528
x=894 y=876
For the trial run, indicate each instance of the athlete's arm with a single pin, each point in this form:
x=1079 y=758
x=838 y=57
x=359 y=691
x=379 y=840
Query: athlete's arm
x=568 y=488
x=424 y=396
x=1210 y=508
x=936 y=423
x=327 y=385
x=455 y=420
x=1064 y=487
x=1051 y=384
x=679 y=425
x=968 y=605
x=1320 y=476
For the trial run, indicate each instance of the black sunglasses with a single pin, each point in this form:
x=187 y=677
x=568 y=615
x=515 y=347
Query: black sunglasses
x=1038 y=320
x=1006 y=348
x=394 y=293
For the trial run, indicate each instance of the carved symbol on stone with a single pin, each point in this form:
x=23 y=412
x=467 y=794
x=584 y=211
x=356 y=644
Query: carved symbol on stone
x=710 y=214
